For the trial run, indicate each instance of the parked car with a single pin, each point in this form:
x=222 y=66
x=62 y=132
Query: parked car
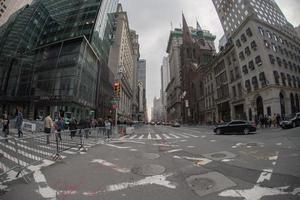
x=175 y=124
x=236 y=126
x=152 y=123
x=291 y=121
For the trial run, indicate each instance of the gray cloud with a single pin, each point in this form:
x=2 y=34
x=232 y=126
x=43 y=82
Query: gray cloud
x=152 y=21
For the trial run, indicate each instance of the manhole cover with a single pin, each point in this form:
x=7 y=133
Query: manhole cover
x=150 y=156
x=148 y=170
x=218 y=155
x=201 y=184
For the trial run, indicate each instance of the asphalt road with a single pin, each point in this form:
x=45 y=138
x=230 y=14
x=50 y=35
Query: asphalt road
x=159 y=162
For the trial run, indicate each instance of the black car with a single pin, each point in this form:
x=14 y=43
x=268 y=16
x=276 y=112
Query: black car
x=291 y=121
x=236 y=126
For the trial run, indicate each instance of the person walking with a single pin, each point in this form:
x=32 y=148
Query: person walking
x=59 y=127
x=5 y=128
x=107 y=127
x=48 y=124
x=73 y=127
x=19 y=122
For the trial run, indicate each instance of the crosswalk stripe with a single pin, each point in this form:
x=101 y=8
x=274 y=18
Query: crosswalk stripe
x=132 y=137
x=158 y=137
x=149 y=136
x=166 y=136
x=141 y=137
x=34 y=150
x=195 y=136
x=181 y=135
x=174 y=135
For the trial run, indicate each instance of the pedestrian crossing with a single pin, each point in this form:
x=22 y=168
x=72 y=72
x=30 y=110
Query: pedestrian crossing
x=156 y=136
x=32 y=151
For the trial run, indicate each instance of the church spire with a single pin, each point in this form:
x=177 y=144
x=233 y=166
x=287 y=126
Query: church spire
x=186 y=34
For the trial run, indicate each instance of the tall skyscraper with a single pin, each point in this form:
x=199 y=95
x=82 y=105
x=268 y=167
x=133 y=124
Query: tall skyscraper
x=8 y=7
x=268 y=57
x=233 y=13
x=141 y=78
x=54 y=56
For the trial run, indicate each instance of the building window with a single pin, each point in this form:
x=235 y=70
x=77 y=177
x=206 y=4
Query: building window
x=247 y=51
x=245 y=69
x=279 y=61
x=262 y=78
x=248 y=86
x=243 y=38
x=267 y=44
x=249 y=32
x=289 y=80
x=237 y=73
x=274 y=48
x=285 y=63
x=258 y=60
x=298 y=80
x=253 y=45
x=276 y=77
x=261 y=31
x=241 y=55
x=255 y=83
x=283 y=78
x=294 y=81
x=234 y=91
x=280 y=49
x=272 y=59
x=291 y=65
x=251 y=65
x=238 y=43
x=269 y=34
x=240 y=89
x=231 y=76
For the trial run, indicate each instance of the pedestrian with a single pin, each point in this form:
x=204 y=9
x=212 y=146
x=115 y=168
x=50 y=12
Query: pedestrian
x=107 y=127
x=274 y=120
x=48 y=124
x=278 y=118
x=73 y=127
x=19 y=122
x=5 y=128
x=59 y=126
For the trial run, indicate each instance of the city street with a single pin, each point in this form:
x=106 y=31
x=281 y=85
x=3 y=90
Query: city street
x=162 y=162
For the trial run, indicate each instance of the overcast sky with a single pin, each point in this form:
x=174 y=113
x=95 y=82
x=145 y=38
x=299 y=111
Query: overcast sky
x=152 y=20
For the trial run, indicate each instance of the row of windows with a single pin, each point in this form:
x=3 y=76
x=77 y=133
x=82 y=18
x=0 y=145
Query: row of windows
x=279 y=39
x=282 y=51
x=244 y=38
x=254 y=81
x=286 y=79
x=253 y=46
x=251 y=65
x=285 y=63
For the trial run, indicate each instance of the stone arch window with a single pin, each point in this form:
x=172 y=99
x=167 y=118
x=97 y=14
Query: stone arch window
x=293 y=107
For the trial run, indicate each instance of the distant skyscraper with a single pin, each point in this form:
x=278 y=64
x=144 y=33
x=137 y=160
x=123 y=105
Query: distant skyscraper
x=141 y=73
x=8 y=7
x=233 y=13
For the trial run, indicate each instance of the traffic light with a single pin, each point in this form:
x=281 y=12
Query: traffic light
x=117 y=89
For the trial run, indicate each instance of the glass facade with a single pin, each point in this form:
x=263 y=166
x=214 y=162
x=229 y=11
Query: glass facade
x=54 y=56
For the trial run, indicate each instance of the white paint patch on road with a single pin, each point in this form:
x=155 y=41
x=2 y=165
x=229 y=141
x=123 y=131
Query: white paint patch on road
x=195 y=136
x=44 y=190
x=133 y=141
x=149 y=136
x=166 y=145
x=132 y=137
x=118 y=147
x=166 y=136
x=158 y=137
x=212 y=140
x=199 y=161
x=234 y=147
x=265 y=175
x=273 y=163
x=190 y=147
x=227 y=160
x=203 y=136
x=133 y=150
x=182 y=140
x=258 y=192
x=274 y=158
x=111 y=165
x=150 y=180
x=175 y=136
x=174 y=150
x=141 y=137
x=157 y=180
x=177 y=157
x=279 y=144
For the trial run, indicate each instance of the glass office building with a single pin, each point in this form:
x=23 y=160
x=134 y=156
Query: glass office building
x=54 y=55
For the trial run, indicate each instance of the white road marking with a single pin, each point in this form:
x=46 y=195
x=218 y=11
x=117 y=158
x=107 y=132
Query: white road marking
x=132 y=137
x=182 y=140
x=212 y=140
x=158 y=137
x=191 y=147
x=199 y=161
x=279 y=144
x=265 y=175
x=141 y=137
x=175 y=136
x=182 y=135
x=274 y=158
x=174 y=150
x=118 y=147
x=227 y=160
x=203 y=136
x=149 y=136
x=195 y=136
x=273 y=163
x=150 y=180
x=166 y=136
x=133 y=149
x=111 y=165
